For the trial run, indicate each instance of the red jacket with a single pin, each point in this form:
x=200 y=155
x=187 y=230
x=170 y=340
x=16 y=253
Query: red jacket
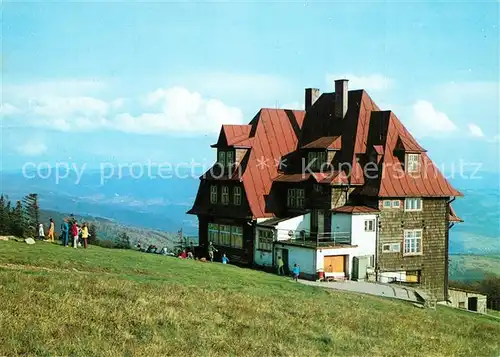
x=74 y=229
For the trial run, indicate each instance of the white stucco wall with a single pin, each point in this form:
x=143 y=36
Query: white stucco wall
x=304 y=257
x=366 y=241
x=293 y=224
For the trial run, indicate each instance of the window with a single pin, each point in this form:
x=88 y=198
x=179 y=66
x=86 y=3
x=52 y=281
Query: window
x=369 y=225
x=295 y=197
x=229 y=159
x=412 y=162
x=237 y=196
x=317 y=188
x=316 y=159
x=213 y=233
x=413 y=241
x=413 y=204
x=225 y=195
x=387 y=204
x=265 y=241
x=396 y=204
x=225 y=235
x=213 y=194
x=222 y=158
x=236 y=237
x=300 y=198
x=391 y=248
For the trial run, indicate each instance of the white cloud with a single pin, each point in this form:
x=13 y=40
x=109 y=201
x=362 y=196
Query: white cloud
x=66 y=88
x=170 y=110
x=372 y=82
x=475 y=130
x=428 y=121
x=32 y=148
x=179 y=110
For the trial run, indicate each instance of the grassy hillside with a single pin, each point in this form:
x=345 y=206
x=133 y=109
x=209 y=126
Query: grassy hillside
x=473 y=267
x=63 y=301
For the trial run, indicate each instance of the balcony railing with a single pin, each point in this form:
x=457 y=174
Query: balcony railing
x=307 y=238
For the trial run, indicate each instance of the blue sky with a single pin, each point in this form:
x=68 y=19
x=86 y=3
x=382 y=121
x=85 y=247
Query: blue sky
x=127 y=82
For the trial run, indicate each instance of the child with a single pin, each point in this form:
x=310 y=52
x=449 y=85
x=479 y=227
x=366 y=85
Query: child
x=225 y=260
x=296 y=272
x=74 y=232
x=41 y=233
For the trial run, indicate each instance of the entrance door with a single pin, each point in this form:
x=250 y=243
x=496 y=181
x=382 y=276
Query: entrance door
x=472 y=305
x=318 y=222
x=283 y=253
x=334 y=263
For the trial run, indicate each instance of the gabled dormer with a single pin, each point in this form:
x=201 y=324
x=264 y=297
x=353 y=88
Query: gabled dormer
x=321 y=152
x=409 y=153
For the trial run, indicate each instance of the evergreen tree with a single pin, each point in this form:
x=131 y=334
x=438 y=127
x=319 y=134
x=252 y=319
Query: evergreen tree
x=93 y=234
x=18 y=224
x=32 y=213
x=123 y=241
x=4 y=215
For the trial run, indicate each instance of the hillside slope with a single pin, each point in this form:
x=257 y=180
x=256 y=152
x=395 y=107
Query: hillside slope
x=110 y=302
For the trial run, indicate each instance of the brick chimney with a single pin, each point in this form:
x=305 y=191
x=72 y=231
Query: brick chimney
x=312 y=95
x=341 y=94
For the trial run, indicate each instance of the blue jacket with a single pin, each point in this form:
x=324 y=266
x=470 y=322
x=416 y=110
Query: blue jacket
x=225 y=260
x=65 y=228
x=296 y=270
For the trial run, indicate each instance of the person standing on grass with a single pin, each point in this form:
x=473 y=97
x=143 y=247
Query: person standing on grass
x=41 y=233
x=85 y=235
x=225 y=260
x=65 y=232
x=296 y=272
x=52 y=227
x=211 y=250
x=281 y=266
x=74 y=233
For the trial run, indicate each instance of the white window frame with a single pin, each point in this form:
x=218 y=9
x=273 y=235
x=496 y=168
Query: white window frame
x=370 y=225
x=410 y=235
x=396 y=204
x=213 y=194
x=265 y=240
x=290 y=198
x=391 y=248
x=222 y=158
x=237 y=196
x=225 y=195
x=386 y=204
x=301 y=195
x=237 y=237
x=225 y=235
x=413 y=204
x=412 y=163
x=229 y=158
x=213 y=233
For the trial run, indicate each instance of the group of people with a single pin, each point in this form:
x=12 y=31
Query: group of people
x=281 y=269
x=69 y=227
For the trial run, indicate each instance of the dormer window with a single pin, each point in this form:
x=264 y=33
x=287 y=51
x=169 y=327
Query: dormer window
x=229 y=158
x=226 y=158
x=222 y=158
x=316 y=159
x=295 y=198
x=412 y=162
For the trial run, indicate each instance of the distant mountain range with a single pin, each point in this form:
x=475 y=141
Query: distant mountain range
x=161 y=204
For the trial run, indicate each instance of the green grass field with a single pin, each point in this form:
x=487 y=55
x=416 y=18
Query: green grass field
x=99 y=302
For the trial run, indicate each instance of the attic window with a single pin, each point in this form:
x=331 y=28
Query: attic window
x=412 y=162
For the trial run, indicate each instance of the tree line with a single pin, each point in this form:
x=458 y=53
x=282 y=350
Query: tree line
x=20 y=219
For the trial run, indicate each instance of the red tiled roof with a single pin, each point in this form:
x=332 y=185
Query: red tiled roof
x=292 y=177
x=326 y=142
x=275 y=136
x=395 y=182
x=379 y=149
x=231 y=134
x=452 y=216
x=337 y=177
x=355 y=209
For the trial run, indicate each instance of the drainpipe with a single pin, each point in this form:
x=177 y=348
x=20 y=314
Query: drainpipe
x=447 y=260
x=377 y=220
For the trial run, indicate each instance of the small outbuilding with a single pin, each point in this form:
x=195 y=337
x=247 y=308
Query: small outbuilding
x=468 y=300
